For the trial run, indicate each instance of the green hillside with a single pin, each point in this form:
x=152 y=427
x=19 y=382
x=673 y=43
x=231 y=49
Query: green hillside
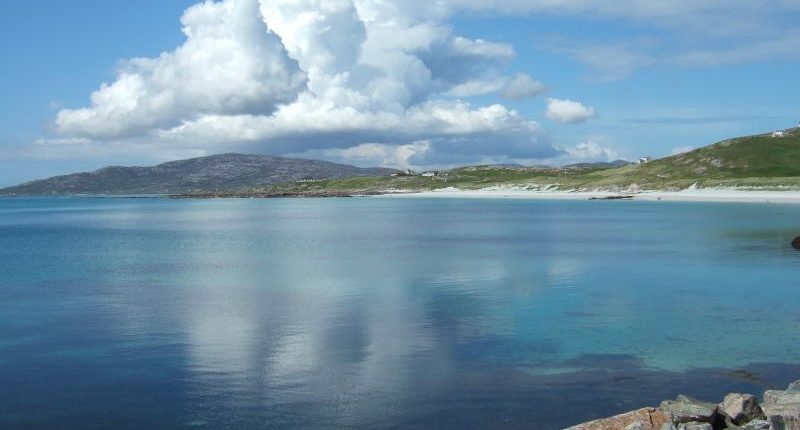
x=760 y=161
x=744 y=157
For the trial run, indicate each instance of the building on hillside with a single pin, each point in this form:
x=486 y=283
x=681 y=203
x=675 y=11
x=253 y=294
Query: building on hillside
x=407 y=172
x=778 y=133
x=644 y=160
x=430 y=174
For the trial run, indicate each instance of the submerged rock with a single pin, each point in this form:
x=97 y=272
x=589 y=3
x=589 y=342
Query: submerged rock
x=741 y=408
x=796 y=243
x=641 y=419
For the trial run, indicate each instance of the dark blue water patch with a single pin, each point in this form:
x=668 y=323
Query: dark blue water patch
x=558 y=401
x=67 y=395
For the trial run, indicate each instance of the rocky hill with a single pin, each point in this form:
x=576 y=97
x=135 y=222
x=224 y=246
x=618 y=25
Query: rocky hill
x=216 y=172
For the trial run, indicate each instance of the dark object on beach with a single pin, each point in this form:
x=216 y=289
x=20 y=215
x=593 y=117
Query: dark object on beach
x=611 y=198
x=796 y=243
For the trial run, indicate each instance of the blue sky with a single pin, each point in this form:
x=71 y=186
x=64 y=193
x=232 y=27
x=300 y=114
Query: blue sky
x=417 y=83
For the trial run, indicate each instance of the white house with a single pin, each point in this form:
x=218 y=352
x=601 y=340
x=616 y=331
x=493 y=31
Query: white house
x=644 y=160
x=778 y=133
x=429 y=174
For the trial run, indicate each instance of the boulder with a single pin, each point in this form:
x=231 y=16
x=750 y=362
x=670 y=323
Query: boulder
x=783 y=422
x=752 y=425
x=741 y=408
x=794 y=386
x=686 y=409
x=778 y=397
x=796 y=243
x=694 y=425
x=641 y=419
x=782 y=408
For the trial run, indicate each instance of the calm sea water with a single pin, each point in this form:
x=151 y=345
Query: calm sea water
x=386 y=313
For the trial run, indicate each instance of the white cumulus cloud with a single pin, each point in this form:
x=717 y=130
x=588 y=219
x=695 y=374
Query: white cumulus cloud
x=568 y=111
x=592 y=151
x=523 y=86
x=229 y=64
x=292 y=76
x=375 y=154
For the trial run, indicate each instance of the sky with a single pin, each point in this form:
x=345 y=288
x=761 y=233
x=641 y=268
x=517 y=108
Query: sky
x=417 y=84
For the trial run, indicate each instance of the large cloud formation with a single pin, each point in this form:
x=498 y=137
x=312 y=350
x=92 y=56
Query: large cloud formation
x=376 y=81
x=292 y=76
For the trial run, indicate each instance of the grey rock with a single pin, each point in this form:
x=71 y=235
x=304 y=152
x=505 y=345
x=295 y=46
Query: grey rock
x=782 y=409
x=779 y=422
x=794 y=386
x=644 y=419
x=695 y=426
x=777 y=397
x=756 y=425
x=752 y=425
x=741 y=408
x=668 y=426
x=686 y=409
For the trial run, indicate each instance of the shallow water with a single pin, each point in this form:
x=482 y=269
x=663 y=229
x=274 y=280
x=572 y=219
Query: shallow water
x=386 y=313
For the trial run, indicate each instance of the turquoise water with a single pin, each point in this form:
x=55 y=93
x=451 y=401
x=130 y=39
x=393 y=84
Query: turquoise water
x=386 y=313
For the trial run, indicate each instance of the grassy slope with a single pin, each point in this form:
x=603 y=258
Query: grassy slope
x=748 y=161
x=753 y=161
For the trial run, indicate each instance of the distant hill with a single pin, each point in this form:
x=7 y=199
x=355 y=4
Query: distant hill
x=216 y=172
x=758 y=162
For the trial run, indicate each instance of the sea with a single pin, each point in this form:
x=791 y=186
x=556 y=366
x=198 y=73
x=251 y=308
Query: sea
x=386 y=313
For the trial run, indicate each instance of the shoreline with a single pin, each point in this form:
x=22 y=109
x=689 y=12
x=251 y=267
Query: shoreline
x=712 y=195
x=709 y=195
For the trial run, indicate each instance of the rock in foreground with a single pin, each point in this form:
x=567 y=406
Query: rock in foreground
x=782 y=408
x=779 y=411
x=642 y=419
x=685 y=409
x=741 y=408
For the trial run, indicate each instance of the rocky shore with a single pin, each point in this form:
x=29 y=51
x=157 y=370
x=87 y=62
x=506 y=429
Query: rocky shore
x=780 y=410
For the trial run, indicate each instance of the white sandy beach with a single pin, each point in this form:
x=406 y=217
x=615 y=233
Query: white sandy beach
x=690 y=195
